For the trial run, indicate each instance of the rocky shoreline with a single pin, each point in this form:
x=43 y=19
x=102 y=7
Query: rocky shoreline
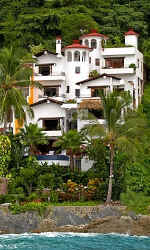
x=98 y=219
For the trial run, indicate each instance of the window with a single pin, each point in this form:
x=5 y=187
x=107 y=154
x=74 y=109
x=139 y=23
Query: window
x=114 y=62
x=77 y=92
x=86 y=42
x=77 y=70
x=97 y=62
x=94 y=92
x=93 y=44
x=69 y=56
x=83 y=56
x=51 y=124
x=44 y=70
x=77 y=56
x=51 y=91
x=118 y=89
x=67 y=89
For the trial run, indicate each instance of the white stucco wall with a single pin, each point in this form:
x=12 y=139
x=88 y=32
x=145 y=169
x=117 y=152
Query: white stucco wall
x=85 y=90
x=48 y=59
x=46 y=110
x=71 y=76
x=131 y=40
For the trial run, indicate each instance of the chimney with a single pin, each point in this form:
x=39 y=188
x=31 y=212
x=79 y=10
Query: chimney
x=58 y=45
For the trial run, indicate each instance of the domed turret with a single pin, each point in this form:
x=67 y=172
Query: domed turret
x=94 y=41
x=77 y=65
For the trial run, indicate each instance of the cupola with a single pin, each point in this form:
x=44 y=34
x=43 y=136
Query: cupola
x=131 y=38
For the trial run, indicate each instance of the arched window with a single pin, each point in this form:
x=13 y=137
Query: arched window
x=83 y=56
x=69 y=56
x=93 y=44
x=77 y=56
x=86 y=42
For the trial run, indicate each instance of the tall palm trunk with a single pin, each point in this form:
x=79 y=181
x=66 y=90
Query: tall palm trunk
x=5 y=126
x=71 y=162
x=109 y=194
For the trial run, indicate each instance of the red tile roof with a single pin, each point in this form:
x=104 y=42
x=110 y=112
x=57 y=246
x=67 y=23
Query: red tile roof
x=94 y=33
x=76 y=44
x=97 y=77
x=131 y=32
x=45 y=100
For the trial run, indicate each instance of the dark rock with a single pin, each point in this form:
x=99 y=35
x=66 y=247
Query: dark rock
x=18 y=223
x=133 y=215
x=63 y=217
x=107 y=211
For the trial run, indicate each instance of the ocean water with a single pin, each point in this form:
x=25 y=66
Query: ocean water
x=73 y=241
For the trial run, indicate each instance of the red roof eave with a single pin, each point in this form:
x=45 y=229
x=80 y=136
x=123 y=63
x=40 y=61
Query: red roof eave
x=76 y=45
x=94 y=34
x=95 y=78
x=131 y=32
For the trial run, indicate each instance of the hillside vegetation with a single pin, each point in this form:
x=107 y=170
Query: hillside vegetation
x=25 y=22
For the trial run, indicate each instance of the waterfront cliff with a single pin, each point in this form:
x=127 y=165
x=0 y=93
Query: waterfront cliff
x=98 y=219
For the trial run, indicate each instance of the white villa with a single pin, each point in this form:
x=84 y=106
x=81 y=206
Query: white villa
x=70 y=83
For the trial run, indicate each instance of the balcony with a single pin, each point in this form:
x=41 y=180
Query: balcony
x=51 y=77
x=54 y=133
x=84 y=123
x=62 y=160
x=117 y=71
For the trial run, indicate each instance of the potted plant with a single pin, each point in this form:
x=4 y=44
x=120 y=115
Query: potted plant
x=133 y=66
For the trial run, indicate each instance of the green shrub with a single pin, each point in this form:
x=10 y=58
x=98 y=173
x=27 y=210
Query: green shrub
x=132 y=65
x=11 y=198
x=33 y=196
x=29 y=206
x=54 y=196
x=5 y=152
x=137 y=202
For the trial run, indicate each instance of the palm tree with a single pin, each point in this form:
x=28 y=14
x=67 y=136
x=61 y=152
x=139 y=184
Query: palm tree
x=121 y=129
x=14 y=74
x=31 y=135
x=70 y=141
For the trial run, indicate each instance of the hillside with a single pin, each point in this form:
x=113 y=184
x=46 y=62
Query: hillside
x=25 y=22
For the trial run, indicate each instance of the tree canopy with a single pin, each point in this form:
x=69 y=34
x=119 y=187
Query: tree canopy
x=24 y=23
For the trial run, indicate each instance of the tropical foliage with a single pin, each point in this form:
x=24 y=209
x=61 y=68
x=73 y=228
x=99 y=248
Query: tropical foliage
x=71 y=142
x=32 y=136
x=14 y=75
x=120 y=132
x=5 y=152
x=24 y=23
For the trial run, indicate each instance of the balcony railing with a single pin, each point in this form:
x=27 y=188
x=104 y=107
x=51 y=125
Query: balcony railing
x=53 y=157
x=116 y=71
x=62 y=160
x=54 y=133
x=52 y=76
